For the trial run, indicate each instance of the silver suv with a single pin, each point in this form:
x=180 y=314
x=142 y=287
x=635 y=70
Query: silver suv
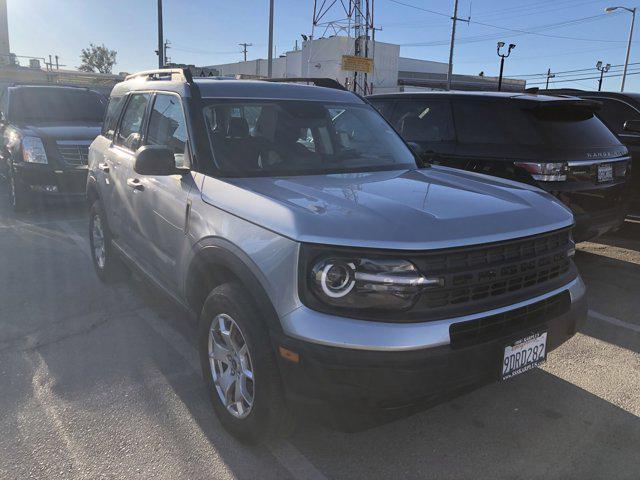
x=331 y=272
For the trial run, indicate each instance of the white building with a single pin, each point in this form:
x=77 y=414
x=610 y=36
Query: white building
x=391 y=72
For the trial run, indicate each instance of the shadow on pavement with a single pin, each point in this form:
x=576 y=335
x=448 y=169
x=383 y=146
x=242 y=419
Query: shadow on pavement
x=536 y=426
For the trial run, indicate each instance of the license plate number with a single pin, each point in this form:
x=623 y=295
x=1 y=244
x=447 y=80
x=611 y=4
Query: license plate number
x=524 y=355
x=605 y=173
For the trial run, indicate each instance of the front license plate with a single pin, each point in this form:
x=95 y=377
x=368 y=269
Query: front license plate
x=605 y=173
x=524 y=355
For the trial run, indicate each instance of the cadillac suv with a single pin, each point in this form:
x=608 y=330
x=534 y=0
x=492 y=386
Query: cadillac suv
x=331 y=272
x=46 y=131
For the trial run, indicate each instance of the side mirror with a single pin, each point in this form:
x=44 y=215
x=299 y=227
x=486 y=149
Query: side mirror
x=632 y=126
x=155 y=160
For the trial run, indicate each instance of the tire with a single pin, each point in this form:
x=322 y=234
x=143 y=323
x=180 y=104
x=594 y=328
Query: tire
x=108 y=264
x=19 y=196
x=267 y=417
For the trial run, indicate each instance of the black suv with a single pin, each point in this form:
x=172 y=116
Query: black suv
x=46 y=132
x=556 y=143
x=621 y=113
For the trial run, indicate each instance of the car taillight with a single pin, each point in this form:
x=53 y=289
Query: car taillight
x=545 y=172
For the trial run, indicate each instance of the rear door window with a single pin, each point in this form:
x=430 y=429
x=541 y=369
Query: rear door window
x=614 y=113
x=424 y=121
x=130 y=131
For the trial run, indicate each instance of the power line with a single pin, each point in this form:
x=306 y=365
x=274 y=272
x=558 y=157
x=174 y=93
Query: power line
x=533 y=31
x=568 y=71
x=585 y=78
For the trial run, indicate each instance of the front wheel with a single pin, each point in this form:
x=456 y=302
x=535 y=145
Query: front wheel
x=106 y=262
x=240 y=368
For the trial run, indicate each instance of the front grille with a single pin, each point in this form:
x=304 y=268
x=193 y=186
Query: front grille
x=481 y=274
x=73 y=153
x=484 y=329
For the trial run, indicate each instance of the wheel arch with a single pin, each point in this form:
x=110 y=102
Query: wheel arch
x=214 y=261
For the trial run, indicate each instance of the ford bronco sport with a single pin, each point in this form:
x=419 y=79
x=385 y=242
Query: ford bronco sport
x=329 y=270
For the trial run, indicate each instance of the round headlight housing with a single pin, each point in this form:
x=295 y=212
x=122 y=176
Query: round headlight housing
x=366 y=283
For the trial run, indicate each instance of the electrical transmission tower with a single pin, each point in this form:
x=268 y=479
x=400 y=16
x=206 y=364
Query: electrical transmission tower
x=351 y=18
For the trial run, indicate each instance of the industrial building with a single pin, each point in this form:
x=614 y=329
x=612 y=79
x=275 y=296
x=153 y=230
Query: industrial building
x=323 y=57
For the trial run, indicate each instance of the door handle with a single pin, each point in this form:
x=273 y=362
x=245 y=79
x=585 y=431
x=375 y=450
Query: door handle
x=104 y=167
x=135 y=183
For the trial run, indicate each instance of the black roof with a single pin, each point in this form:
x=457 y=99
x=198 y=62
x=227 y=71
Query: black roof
x=497 y=96
x=179 y=81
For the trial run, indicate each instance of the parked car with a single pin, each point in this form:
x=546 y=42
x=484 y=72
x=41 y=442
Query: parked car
x=554 y=143
x=331 y=273
x=621 y=113
x=46 y=132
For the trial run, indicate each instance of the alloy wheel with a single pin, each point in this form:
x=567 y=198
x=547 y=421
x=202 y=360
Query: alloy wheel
x=231 y=366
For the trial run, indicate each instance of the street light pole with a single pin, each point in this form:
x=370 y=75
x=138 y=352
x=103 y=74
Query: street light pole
x=270 y=57
x=502 y=57
x=602 y=70
x=633 y=21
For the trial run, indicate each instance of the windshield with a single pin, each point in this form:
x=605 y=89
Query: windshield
x=292 y=137
x=559 y=125
x=56 y=105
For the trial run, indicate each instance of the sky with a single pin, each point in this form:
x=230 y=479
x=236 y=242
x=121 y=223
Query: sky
x=563 y=35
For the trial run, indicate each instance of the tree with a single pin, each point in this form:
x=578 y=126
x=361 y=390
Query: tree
x=97 y=57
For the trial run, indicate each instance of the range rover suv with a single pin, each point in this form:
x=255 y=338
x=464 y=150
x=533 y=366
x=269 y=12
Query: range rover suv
x=46 y=132
x=331 y=272
x=555 y=143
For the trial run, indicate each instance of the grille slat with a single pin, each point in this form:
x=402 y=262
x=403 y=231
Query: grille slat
x=495 y=271
x=74 y=153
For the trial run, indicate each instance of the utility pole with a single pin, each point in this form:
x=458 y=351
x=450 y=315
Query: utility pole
x=549 y=75
x=57 y=63
x=160 y=50
x=632 y=11
x=454 y=19
x=502 y=57
x=602 y=70
x=270 y=57
x=244 y=49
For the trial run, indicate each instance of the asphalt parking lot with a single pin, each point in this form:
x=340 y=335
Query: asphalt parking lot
x=104 y=382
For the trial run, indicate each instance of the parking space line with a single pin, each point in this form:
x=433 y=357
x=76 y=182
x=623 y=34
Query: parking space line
x=614 y=321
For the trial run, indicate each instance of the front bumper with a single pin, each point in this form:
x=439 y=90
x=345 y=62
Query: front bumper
x=354 y=388
x=51 y=181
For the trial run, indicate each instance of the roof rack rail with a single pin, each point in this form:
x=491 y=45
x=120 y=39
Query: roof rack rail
x=318 y=82
x=158 y=74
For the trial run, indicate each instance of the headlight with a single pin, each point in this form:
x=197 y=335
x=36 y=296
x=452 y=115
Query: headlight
x=545 y=172
x=33 y=150
x=366 y=282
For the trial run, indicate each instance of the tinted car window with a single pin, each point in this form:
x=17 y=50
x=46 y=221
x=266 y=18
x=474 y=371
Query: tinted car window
x=111 y=117
x=55 y=104
x=130 y=132
x=424 y=120
x=302 y=137
x=167 y=126
x=385 y=107
x=558 y=124
x=614 y=113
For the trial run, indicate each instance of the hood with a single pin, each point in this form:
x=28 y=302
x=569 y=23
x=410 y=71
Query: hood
x=430 y=208
x=63 y=131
